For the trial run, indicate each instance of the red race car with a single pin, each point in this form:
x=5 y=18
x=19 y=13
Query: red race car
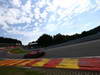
x=35 y=54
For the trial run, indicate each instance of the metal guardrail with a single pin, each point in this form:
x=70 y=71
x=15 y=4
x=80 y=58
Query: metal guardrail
x=53 y=71
x=56 y=71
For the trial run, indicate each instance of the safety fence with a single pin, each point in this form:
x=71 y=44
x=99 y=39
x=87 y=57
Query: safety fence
x=58 y=66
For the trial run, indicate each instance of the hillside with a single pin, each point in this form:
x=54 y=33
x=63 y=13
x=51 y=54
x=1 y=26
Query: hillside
x=58 y=40
x=9 y=41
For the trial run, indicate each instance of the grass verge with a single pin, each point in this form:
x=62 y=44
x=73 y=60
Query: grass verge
x=18 y=51
x=18 y=71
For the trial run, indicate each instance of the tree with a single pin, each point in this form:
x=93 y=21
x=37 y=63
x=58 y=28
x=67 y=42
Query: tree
x=47 y=40
x=59 y=38
x=9 y=41
x=44 y=40
x=75 y=36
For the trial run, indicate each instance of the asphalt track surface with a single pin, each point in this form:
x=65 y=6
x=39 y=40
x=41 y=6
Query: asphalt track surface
x=86 y=49
x=90 y=48
x=4 y=54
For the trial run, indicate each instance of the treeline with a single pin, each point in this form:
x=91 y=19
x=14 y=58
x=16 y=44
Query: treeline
x=10 y=41
x=47 y=40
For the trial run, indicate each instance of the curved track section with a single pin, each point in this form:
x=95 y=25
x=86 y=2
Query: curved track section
x=90 y=48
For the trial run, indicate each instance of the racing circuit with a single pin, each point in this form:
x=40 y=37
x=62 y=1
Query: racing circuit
x=75 y=59
x=86 y=49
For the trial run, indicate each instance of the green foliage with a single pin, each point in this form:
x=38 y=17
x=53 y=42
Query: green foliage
x=44 y=40
x=18 y=51
x=9 y=42
x=59 y=38
x=47 y=40
x=17 y=71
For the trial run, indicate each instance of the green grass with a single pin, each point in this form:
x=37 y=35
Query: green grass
x=18 y=51
x=18 y=71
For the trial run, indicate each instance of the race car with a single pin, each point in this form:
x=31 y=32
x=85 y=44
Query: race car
x=34 y=54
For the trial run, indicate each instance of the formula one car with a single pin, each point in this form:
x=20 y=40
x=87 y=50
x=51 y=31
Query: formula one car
x=34 y=54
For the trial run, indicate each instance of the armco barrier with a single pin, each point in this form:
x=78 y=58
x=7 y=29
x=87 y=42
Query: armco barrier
x=58 y=66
